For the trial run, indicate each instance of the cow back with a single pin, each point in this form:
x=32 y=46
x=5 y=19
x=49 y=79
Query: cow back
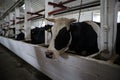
x=118 y=39
x=84 y=38
x=37 y=35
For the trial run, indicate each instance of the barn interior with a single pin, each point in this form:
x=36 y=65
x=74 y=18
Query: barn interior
x=26 y=34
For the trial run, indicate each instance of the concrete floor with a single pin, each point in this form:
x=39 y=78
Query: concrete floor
x=13 y=68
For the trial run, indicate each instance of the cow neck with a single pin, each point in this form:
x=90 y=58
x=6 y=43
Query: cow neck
x=69 y=31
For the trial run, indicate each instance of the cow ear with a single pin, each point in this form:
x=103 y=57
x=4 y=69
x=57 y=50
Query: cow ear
x=50 y=19
x=72 y=20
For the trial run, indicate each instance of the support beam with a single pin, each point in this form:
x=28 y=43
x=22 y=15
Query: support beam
x=108 y=27
x=55 y=11
x=60 y=5
x=67 y=1
x=17 y=26
x=83 y=6
x=16 y=4
x=48 y=8
x=36 y=17
x=27 y=24
x=12 y=21
x=20 y=18
x=56 y=5
x=22 y=21
x=36 y=13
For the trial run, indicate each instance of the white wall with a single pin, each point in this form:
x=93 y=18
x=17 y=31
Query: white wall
x=88 y=15
x=37 y=23
x=118 y=20
x=37 y=5
x=83 y=16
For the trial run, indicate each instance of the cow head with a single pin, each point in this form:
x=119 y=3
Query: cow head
x=60 y=37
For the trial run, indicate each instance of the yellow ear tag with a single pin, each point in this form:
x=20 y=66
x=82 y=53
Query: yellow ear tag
x=49 y=30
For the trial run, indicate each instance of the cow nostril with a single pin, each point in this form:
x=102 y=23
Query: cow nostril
x=49 y=55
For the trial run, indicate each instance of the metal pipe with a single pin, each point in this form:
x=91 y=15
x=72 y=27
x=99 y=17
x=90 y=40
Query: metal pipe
x=36 y=17
x=20 y=22
x=19 y=17
x=39 y=11
x=68 y=1
x=36 y=13
x=83 y=6
x=18 y=3
x=57 y=5
x=55 y=11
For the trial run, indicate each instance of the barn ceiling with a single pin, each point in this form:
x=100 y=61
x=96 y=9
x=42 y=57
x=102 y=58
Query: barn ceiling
x=5 y=5
x=36 y=4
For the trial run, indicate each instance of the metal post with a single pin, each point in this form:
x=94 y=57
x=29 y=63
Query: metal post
x=108 y=27
x=27 y=23
x=17 y=26
x=48 y=8
x=11 y=18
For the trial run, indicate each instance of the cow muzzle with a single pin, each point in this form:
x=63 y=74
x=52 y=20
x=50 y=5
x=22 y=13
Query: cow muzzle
x=49 y=54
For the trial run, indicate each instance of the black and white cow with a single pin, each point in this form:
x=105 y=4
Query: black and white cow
x=21 y=35
x=38 y=34
x=11 y=33
x=118 y=39
x=79 y=37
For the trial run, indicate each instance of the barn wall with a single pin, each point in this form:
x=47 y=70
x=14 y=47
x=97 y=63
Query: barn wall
x=75 y=3
x=37 y=5
x=118 y=20
x=37 y=23
x=87 y=15
x=70 y=68
x=83 y=16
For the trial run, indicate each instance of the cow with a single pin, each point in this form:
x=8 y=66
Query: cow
x=117 y=46
x=3 y=32
x=11 y=33
x=7 y=32
x=118 y=39
x=38 y=34
x=81 y=37
x=21 y=35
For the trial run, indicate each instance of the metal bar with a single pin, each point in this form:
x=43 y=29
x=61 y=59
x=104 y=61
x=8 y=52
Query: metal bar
x=12 y=20
x=59 y=5
x=56 y=5
x=19 y=17
x=20 y=22
x=36 y=17
x=83 y=6
x=12 y=24
x=36 y=13
x=68 y=1
x=5 y=23
x=39 y=11
x=18 y=3
x=55 y=11
x=30 y=13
